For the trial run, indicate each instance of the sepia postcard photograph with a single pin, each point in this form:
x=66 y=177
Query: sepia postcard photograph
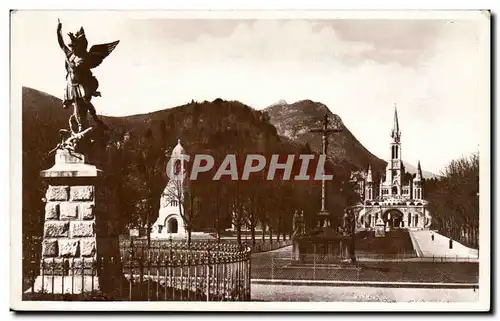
x=250 y=160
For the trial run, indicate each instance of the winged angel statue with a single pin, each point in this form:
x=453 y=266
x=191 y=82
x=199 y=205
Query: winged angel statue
x=81 y=85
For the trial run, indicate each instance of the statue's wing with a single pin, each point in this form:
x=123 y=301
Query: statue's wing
x=97 y=53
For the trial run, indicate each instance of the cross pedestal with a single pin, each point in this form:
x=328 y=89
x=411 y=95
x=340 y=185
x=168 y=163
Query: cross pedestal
x=323 y=219
x=380 y=228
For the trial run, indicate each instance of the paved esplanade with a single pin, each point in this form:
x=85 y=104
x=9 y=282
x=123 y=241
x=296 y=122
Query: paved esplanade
x=262 y=292
x=440 y=246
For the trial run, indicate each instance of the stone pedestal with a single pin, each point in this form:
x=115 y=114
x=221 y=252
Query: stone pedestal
x=324 y=219
x=80 y=249
x=379 y=228
x=295 y=250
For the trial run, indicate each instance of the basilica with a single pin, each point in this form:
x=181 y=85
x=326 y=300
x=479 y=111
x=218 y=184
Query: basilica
x=396 y=199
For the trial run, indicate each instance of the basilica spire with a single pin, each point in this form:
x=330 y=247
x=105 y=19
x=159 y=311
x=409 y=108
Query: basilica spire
x=396 y=134
x=419 y=172
x=369 y=177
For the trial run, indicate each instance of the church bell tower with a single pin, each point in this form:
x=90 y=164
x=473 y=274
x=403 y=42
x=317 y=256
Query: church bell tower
x=417 y=184
x=394 y=172
x=369 y=185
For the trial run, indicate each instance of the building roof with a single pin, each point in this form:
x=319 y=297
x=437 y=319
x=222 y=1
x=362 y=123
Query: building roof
x=178 y=149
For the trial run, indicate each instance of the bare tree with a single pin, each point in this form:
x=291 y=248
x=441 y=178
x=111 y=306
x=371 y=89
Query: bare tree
x=149 y=167
x=238 y=209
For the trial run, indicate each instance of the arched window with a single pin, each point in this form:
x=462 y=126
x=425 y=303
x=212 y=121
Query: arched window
x=394 y=190
x=174 y=203
x=172 y=226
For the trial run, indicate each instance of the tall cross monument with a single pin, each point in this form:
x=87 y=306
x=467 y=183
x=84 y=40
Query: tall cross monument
x=325 y=132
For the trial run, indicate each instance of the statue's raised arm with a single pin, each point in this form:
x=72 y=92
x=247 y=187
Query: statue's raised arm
x=60 y=38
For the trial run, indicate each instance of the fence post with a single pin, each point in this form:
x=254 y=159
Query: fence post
x=149 y=274
x=272 y=267
x=181 y=277
x=249 y=259
x=314 y=266
x=208 y=276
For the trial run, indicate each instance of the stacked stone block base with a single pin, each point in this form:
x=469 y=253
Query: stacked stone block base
x=75 y=224
x=65 y=284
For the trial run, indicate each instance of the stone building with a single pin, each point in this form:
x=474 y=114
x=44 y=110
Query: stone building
x=170 y=222
x=398 y=199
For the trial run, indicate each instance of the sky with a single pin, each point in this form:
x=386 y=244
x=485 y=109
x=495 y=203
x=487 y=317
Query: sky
x=434 y=68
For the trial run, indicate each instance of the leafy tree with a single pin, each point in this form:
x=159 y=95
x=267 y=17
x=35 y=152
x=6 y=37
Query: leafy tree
x=454 y=199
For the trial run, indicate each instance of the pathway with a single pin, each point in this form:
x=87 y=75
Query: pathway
x=282 y=293
x=439 y=247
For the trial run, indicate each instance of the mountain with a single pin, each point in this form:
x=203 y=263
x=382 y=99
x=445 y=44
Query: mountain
x=413 y=170
x=219 y=128
x=295 y=121
x=214 y=124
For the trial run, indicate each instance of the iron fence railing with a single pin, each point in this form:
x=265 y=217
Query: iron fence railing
x=179 y=272
x=403 y=257
x=268 y=246
x=141 y=244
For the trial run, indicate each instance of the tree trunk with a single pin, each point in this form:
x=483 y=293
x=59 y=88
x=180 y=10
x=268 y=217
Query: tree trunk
x=353 y=240
x=189 y=236
x=278 y=230
x=263 y=233
x=148 y=234
x=252 y=229
x=238 y=233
